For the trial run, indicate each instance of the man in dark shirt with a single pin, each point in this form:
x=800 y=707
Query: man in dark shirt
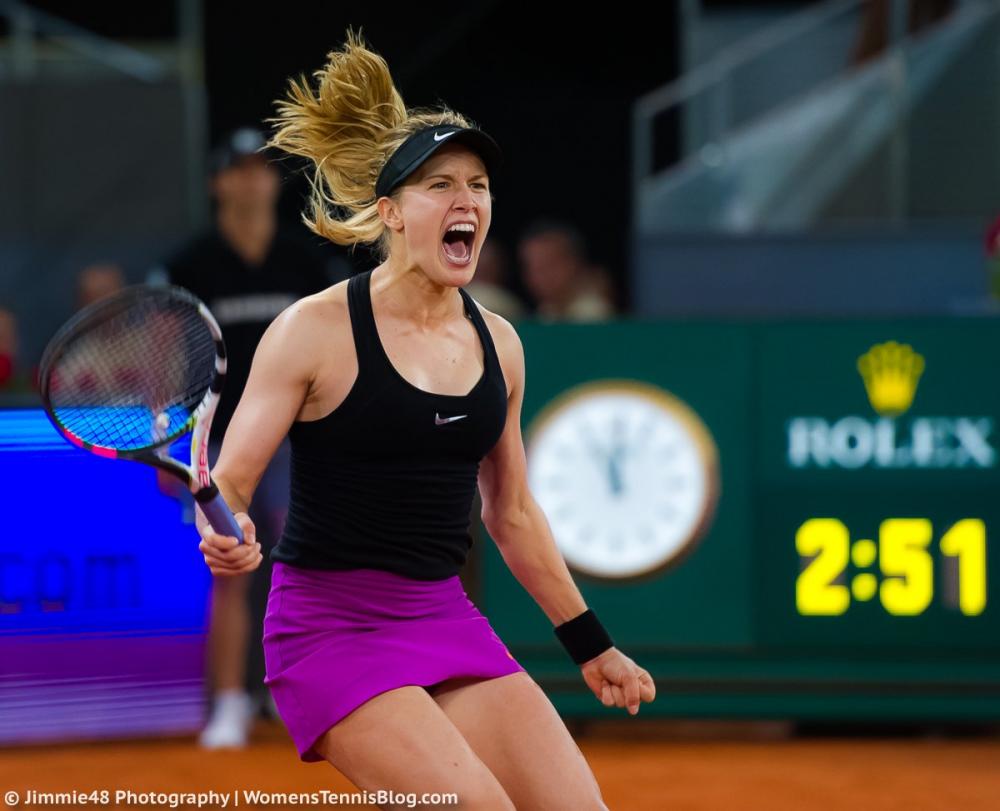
x=247 y=269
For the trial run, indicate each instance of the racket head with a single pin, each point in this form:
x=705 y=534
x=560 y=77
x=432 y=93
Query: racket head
x=131 y=373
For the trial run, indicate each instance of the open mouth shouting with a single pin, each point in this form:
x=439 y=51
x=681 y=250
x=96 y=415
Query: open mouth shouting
x=457 y=243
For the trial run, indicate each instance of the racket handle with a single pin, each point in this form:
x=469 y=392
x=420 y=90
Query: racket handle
x=218 y=513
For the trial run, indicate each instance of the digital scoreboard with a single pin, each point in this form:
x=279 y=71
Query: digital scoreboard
x=783 y=519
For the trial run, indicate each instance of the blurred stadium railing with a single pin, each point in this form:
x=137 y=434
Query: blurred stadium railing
x=892 y=162
x=101 y=151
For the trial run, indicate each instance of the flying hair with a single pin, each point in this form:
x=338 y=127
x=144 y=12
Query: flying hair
x=348 y=123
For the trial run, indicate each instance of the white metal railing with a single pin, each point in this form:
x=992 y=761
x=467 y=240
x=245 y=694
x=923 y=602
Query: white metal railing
x=28 y=24
x=34 y=33
x=716 y=75
x=717 y=119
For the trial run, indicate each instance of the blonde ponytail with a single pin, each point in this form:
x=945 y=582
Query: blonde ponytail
x=348 y=128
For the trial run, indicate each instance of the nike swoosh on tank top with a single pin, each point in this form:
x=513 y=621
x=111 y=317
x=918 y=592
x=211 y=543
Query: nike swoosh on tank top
x=386 y=480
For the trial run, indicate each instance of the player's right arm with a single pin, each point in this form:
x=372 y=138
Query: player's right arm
x=282 y=376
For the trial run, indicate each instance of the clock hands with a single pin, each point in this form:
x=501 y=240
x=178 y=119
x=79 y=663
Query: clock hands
x=611 y=459
x=615 y=472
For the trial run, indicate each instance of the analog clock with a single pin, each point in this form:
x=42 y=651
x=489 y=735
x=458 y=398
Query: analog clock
x=627 y=475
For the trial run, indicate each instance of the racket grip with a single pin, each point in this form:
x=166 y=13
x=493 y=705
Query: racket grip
x=218 y=513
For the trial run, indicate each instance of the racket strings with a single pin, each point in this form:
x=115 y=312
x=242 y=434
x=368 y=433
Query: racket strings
x=131 y=376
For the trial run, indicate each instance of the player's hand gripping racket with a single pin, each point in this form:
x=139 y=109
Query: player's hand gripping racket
x=130 y=374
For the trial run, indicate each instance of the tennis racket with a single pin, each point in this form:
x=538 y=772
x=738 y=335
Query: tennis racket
x=130 y=374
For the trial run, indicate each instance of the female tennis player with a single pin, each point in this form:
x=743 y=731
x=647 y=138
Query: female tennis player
x=397 y=391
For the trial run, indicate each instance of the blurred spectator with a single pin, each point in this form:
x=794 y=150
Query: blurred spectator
x=247 y=269
x=603 y=285
x=489 y=286
x=558 y=276
x=873 y=36
x=13 y=379
x=98 y=281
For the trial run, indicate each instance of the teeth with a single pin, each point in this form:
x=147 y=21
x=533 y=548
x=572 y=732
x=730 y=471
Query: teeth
x=463 y=226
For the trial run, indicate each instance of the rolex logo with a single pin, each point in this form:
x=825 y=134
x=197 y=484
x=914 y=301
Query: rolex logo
x=891 y=372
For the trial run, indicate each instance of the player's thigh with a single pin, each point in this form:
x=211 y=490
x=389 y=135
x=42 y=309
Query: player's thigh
x=514 y=729
x=401 y=741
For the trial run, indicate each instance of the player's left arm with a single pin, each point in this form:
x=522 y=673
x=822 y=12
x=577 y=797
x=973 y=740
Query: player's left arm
x=510 y=513
x=522 y=534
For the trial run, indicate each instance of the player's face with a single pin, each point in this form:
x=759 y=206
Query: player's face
x=450 y=187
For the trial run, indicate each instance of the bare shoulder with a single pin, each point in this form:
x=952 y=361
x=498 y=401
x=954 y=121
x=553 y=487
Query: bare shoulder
x=507 y=343
x=320 y=315
x=319 y=320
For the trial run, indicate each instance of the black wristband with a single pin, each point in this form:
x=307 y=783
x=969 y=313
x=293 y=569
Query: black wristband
x=583 y=637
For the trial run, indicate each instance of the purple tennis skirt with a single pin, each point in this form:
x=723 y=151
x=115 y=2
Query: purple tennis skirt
x=334 y=639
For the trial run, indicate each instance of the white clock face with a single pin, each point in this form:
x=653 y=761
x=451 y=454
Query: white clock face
x=626 y=474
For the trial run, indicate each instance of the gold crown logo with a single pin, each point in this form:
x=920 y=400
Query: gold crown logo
x=891 y=372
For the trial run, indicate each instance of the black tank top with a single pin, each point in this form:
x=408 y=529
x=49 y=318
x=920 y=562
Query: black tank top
x=386 y=480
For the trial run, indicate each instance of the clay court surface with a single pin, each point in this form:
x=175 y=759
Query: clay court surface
x=640 y=765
